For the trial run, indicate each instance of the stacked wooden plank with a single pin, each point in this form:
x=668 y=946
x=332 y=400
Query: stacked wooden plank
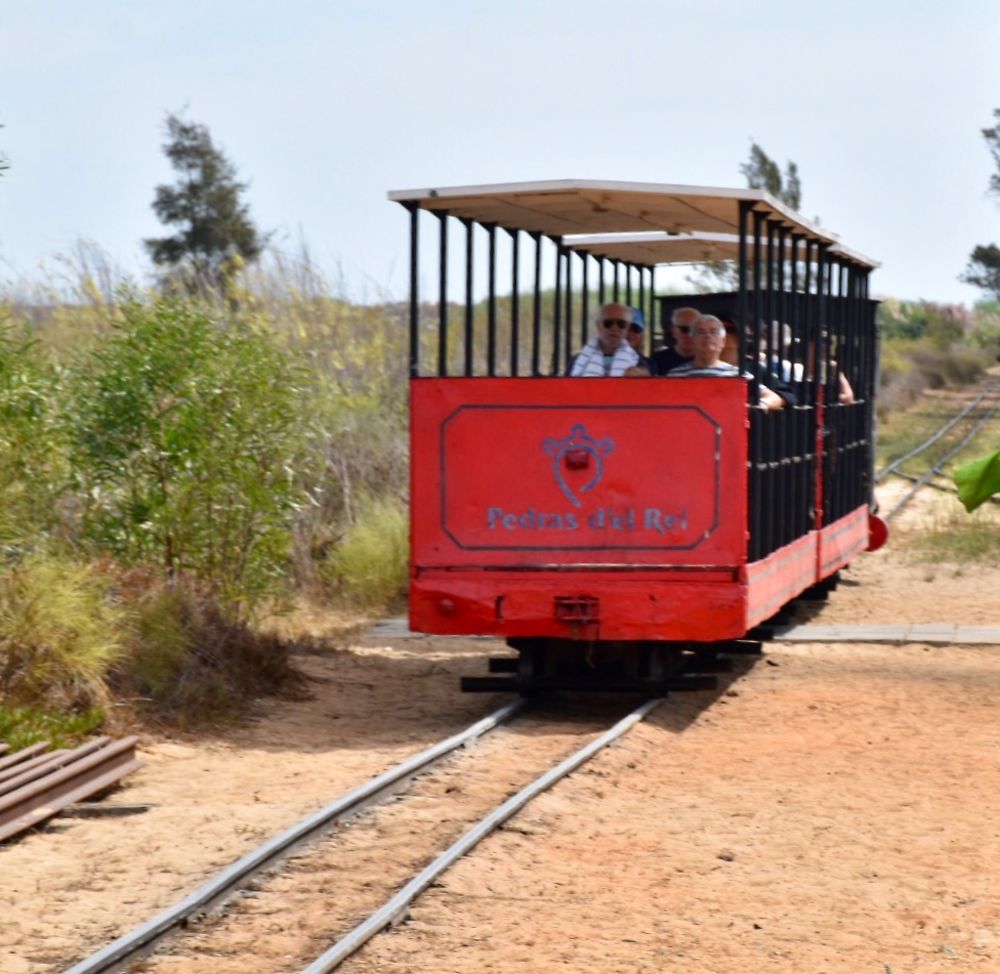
x=36 y=783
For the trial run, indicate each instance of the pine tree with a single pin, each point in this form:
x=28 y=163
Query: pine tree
x=983 y=269
x=762 y=172
x=214 y=233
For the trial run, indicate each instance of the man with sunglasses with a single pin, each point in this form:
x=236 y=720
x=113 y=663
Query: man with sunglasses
x=608 y=353
x=682 y=351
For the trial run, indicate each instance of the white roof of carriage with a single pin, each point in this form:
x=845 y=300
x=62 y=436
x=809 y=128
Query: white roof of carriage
x=578 y=206
x=665 y=248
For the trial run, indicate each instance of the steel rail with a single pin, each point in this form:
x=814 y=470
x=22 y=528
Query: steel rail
x=946 y=488
x=936 y=469
x=143 y=937
x=395 y=909
x=930 y=441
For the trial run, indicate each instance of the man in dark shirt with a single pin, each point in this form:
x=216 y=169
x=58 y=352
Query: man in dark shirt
x=681 y=323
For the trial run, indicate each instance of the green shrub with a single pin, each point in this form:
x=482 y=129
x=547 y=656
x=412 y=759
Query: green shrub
x=185 y=436
x=32 y=458
x=370 y=565
x=60 y=633
x=23 y=726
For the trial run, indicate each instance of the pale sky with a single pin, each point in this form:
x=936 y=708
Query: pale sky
x=325 y=105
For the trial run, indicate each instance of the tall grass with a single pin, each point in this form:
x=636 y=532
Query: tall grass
x=60 y=633
x=215 y=459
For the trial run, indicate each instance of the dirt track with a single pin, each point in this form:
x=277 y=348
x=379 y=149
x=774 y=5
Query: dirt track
x=833 y=810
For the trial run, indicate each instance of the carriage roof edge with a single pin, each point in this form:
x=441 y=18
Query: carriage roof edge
x=573 y=206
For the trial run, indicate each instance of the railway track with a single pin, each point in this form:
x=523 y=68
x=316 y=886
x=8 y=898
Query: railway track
x=975 y=415
x=309 y=886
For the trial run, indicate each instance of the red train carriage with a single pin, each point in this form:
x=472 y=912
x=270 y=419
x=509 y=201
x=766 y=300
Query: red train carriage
x=607 y=525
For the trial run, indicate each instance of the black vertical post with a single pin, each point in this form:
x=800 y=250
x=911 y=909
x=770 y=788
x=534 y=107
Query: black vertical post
x=756 y=439
x=628 y=284
x=823 y=281
x=569 y=307
x=536 y=310
x=781 y=421
x=600 y=280
x=772 y=511
x=443 y=296
x=642 y=306
x=585 y=302
x=795 y=321
x=556 y=310
x=469 y=310
x=414 y=298
x=772 y=226
x=741 y=271
x=615 y=264
x=515 y=302
x=804 y=389
x=491 y=305
x=741 y=324
x=758 y=297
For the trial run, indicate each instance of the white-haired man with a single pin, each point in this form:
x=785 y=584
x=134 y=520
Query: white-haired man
x=681 y=323
x=708 y=336
x=607 y=353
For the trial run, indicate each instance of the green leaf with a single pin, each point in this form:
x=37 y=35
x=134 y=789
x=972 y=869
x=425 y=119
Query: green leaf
x=978 y=481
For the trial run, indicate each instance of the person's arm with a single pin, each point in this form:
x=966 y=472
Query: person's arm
x=770 y=400
x=845 y=394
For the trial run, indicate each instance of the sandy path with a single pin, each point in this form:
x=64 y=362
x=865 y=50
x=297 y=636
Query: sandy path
x=834 y=812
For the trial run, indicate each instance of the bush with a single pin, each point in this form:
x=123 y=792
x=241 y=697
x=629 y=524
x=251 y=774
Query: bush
x=956 y=365
x=60 y=633
x=185 y=436
x=32 y=459
x=370 y=565
x=188 y=663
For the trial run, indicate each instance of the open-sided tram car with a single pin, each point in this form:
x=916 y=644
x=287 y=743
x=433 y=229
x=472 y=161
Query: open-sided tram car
x=603 y=526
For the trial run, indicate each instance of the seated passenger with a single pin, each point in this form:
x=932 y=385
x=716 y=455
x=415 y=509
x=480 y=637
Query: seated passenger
x=636 y=338
x=607 y=353
x=665 y=359
x=709 y=337
x=845 y=392
x=767 y=377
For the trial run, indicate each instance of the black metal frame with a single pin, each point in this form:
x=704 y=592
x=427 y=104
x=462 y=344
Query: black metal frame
x=558 y=327
x=785 y=275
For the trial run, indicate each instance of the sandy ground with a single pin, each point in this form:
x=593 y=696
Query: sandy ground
x=832 y=808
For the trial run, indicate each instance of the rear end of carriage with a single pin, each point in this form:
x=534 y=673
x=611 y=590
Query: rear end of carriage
x=607 y=527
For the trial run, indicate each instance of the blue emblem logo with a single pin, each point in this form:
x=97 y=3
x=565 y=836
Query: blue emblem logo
x=579 y=451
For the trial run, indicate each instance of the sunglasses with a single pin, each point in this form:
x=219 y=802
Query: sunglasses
x=634 y=330
x=683 y=329
x=615 y=323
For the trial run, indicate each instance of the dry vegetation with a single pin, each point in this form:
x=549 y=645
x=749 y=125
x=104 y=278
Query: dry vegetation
x=175 y=470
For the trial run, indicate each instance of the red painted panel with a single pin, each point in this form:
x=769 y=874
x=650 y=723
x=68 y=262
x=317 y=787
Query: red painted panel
x=840 y=541
x=578 y=471
x=623 y=605
x=773 y=580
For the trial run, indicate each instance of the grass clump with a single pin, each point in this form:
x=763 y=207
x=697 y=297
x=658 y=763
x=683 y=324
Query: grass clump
x=23 y=726
x=369 y=567
x=60 y=634
x=961 y=539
